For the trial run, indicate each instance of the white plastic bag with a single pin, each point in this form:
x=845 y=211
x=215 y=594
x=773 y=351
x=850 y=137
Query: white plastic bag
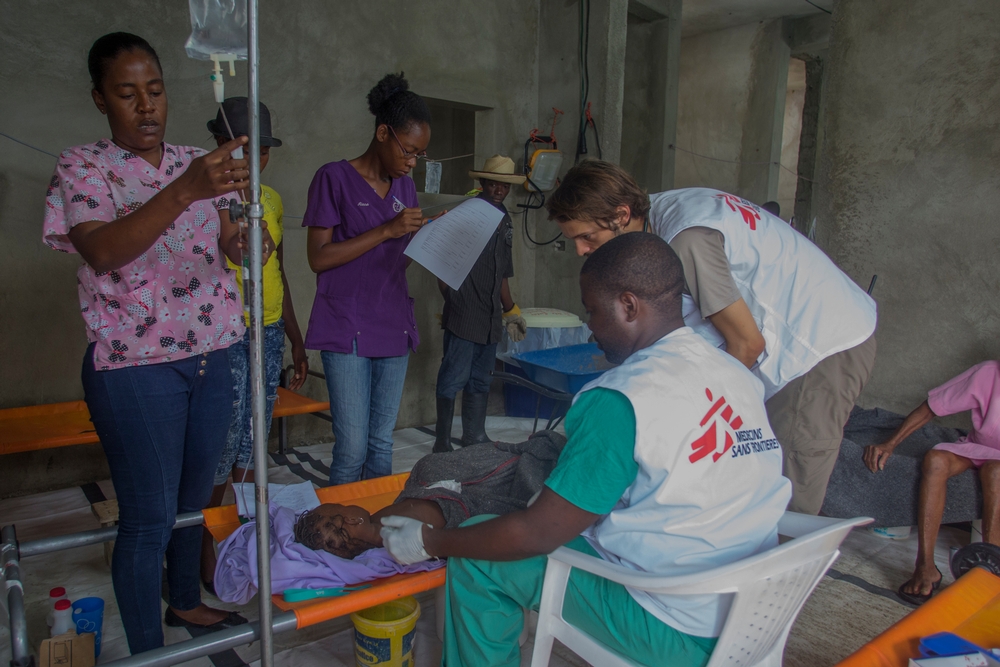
x=217 y=27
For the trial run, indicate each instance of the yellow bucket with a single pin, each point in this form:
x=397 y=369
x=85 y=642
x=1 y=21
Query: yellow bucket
x=384 y=635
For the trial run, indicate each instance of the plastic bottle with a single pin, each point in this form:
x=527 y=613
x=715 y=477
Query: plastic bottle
x=55 y=595
x=62 y=618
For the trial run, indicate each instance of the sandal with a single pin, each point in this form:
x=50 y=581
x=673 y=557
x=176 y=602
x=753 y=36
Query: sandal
x=918 y=599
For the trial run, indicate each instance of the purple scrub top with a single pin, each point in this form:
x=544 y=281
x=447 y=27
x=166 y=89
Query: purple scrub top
x=367 y=299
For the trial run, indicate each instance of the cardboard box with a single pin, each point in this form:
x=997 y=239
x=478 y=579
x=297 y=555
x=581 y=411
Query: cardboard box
x=68 y=650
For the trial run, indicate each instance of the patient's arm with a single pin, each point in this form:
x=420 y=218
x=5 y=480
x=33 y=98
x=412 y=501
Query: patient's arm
x=426 y=511
x=875 y=456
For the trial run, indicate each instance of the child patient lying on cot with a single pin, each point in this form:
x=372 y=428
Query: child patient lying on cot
x=443 y=490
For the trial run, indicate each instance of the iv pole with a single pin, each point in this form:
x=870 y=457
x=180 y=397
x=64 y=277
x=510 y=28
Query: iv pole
x=259 y=404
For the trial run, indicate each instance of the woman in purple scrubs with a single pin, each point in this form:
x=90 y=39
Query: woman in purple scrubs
x=360 y=216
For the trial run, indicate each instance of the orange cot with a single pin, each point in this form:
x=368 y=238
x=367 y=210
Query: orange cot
x=37 y=427
x=371 y=494
x=970 y=608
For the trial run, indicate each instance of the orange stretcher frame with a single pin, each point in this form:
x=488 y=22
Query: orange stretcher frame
x=371 y=494
x=970 y=608
x=38 y=427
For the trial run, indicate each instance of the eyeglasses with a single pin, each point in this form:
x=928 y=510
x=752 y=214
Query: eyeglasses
x=407 y=155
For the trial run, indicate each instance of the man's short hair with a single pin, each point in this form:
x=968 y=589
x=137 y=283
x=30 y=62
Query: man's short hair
x=640 y=263
x=593 y=190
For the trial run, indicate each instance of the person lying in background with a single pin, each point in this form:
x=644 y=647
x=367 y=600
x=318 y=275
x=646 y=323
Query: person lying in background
x=649 y=479
x=334 y=545
x=977 y=390
x=443 y=490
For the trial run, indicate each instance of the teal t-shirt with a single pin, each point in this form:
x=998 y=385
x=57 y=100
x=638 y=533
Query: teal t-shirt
x=598 y=462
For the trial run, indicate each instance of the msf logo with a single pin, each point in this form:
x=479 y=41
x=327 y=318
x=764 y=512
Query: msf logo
x=749 y=211
x=708 y=443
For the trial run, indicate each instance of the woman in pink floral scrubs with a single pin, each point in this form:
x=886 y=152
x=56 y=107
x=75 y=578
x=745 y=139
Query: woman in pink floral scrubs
x=160 y=308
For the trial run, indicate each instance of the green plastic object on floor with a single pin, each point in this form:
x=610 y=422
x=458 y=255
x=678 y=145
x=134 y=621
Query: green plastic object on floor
x=303 y=594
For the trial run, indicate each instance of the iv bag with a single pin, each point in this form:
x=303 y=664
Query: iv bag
x=217 y=27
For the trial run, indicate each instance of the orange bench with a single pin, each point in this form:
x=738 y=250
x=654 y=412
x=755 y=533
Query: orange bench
x=371 y=494
x=39 y=427
x=970 y=608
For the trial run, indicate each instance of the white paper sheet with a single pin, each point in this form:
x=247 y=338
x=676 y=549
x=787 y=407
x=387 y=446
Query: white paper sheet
x=450 y=245
x=298 y=497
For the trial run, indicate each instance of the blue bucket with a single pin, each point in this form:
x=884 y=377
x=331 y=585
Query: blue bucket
x=565 y=369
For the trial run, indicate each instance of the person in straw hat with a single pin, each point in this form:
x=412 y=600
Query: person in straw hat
x=475 y=316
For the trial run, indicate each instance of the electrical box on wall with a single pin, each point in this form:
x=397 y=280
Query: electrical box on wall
x=543 y=169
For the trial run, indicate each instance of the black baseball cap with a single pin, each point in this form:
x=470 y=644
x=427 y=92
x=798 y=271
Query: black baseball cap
x=236 y=109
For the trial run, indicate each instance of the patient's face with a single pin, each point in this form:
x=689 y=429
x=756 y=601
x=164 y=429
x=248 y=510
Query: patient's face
x=342 y=530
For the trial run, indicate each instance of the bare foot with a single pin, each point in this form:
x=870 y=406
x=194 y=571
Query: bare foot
x=923 y=581
x=202 y=615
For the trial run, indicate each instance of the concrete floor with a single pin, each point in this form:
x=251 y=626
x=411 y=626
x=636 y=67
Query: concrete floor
x=855 y=602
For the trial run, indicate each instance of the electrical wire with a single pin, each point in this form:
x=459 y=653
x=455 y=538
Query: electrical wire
x=719 y=159
x=818 y=7
x=445 y=159
x=528 y=206
x=24 y=143
x=584 y=55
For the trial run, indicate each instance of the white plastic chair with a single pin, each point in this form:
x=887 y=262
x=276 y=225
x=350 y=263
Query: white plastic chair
x=770 y=589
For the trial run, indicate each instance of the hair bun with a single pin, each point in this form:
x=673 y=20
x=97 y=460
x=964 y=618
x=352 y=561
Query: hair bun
x=390 y=85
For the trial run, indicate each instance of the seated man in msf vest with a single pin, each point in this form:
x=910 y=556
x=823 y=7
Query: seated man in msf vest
x=670 y=467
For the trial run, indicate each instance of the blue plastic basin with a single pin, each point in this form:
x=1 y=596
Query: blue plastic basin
x=565 y=369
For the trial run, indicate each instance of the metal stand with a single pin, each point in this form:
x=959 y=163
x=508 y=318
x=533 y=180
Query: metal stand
x=259 y=397
x=20 y=651
x=561 y=398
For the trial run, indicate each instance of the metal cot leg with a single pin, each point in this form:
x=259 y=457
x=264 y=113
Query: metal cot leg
x=19 y=648
x=206 y=644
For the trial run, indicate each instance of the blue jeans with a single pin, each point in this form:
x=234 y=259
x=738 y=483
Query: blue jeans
x=466 y=365
x=364 y=401
x=162 y=428
x=239 y=442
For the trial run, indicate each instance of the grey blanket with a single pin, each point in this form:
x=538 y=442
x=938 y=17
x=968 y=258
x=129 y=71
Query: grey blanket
x=496 y=478
x=890 y=496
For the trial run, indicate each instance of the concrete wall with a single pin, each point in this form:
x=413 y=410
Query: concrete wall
x=557 y=271
x=791 y=133
x=649 y=116
x=713 y=94
x=731 y=102
x=910 y=185
x=318 y=63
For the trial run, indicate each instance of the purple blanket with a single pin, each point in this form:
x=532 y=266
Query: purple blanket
x=295 y=566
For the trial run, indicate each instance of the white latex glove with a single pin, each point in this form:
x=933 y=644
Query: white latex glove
x=403 y=538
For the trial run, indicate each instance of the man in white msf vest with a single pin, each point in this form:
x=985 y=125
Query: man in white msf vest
x=758 y=289
x=670 y=467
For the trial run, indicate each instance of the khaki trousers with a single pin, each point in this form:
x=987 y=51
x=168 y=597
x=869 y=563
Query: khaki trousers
x=808 y=417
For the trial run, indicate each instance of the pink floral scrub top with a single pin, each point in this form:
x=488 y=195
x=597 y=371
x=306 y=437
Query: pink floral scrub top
x=977 y=390
x=177 y=299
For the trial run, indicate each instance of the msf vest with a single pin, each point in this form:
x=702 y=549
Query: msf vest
x=806 y=308
x=709 y=490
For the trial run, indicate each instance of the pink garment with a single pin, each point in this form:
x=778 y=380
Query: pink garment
x=178 y=298
x=978 y=390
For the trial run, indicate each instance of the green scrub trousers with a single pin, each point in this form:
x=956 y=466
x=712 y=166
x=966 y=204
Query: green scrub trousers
x=484 y=603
